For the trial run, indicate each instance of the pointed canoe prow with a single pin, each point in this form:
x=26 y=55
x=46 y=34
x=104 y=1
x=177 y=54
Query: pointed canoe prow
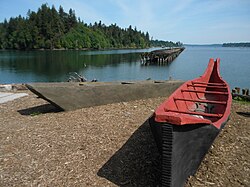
x=212 y=73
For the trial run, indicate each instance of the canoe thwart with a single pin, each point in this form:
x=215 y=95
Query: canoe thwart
x=207 y=92
x=206 y=86
x=209 y=83
x=196 y=113
x=201 y=101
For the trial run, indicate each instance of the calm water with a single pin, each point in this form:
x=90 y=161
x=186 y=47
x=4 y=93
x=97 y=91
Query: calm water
x=114 y=65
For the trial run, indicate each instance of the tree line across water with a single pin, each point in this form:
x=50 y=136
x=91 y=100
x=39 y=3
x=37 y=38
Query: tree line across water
x=51 y=29
x=241 y=44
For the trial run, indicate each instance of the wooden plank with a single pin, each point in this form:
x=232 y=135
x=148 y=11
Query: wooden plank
x=202 y=101
x=206 y=86
x=197 y=113
x=207 y=92
x=209 y=83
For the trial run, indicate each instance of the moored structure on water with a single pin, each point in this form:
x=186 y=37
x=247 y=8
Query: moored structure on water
x=159 y=57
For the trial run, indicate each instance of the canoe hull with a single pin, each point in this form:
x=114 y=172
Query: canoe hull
x=186 y=124
x=71 y=96
x=182 y=149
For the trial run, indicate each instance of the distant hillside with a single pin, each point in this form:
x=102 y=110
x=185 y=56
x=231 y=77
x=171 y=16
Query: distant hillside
x=242 y=44
x=51 y=29
x=204 y=45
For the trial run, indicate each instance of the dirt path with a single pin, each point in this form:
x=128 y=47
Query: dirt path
x=105 y=146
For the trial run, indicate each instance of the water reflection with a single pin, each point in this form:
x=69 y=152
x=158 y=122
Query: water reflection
x=115 y=65
x=32 y=66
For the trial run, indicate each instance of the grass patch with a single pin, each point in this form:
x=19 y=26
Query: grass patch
x=35 y=113
x=241 y=100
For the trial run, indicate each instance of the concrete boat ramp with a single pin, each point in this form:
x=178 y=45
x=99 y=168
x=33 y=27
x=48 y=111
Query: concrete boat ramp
x=7 y=96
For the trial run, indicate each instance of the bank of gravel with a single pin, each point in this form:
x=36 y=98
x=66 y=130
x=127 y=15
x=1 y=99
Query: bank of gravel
x=108 y=145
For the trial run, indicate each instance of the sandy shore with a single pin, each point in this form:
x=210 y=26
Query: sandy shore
x=107 y=145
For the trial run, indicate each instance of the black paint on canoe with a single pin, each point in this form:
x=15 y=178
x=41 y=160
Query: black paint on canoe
x=182 y=149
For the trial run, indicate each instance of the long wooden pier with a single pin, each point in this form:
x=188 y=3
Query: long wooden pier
x=160 y=57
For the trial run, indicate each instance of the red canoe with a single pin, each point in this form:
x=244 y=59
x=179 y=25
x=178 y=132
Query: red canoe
x=186 y=124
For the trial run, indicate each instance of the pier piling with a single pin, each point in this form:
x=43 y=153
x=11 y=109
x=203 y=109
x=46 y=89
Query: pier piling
x=160 y=57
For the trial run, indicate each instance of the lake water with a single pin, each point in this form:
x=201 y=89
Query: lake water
x=120 y=65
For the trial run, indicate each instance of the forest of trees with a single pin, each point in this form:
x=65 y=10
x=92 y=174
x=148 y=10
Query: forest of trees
x=242 y=44
x=51 y=29
x=161 y=43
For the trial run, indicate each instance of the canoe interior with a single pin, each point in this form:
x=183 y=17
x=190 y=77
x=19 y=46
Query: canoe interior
x=206 y=99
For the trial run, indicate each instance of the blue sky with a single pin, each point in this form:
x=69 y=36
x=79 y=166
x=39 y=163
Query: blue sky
x=188 y=21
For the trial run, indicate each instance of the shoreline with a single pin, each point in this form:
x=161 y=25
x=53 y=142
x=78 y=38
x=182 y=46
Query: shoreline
x=76 y=49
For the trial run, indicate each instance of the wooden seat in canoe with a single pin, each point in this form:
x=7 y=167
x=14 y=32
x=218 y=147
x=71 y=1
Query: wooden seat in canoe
x=201 y=101
x=197 y=113
x=207 y=92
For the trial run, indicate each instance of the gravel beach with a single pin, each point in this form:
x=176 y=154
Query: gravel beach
x=109 y=145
